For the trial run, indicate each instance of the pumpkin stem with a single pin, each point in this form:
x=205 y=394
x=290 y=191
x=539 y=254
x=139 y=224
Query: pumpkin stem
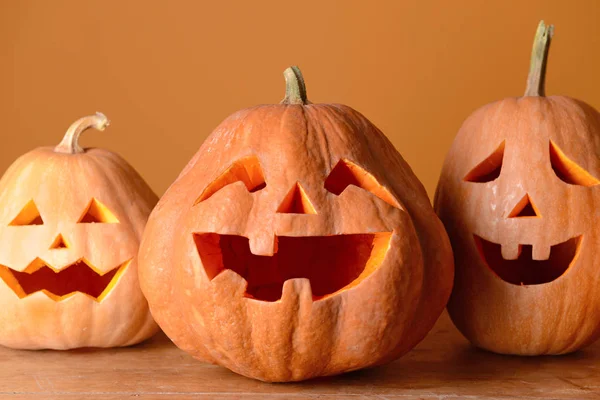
x=295 y=89
x=539 y=58
x=70 y=142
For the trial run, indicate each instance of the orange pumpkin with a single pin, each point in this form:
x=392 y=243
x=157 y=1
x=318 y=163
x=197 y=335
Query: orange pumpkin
x=70 y=224
x=517 y=195
x=296 y=243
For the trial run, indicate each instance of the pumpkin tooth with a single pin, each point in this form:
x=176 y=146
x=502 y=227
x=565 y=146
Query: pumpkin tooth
x=511 y=251
x=232 y=282
x=540 y=252
x=296 y=287
x=263 y=245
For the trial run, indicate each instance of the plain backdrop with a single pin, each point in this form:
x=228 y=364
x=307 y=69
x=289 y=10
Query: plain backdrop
x=166 y=73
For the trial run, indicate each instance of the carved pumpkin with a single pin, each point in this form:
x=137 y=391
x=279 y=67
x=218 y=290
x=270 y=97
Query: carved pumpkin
x=70 y=224
x=518 y=194
x=296 y=243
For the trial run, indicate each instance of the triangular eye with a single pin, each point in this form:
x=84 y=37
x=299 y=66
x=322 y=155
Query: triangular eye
x=296 y=202
x=96 y=212
x=29 y=215
x=246 y=170
x=567 y=170
x=489 y=169
x=346 y=173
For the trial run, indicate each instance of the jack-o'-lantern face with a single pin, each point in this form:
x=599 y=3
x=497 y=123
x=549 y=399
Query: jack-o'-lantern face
x=518 y=262
x=518 y=195
x=65 y=266
x=300 y=221
x=70 y=225
x=330 y=263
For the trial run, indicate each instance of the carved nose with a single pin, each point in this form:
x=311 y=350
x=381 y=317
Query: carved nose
x=58 y=243
x=524 y=208
x=296 y=202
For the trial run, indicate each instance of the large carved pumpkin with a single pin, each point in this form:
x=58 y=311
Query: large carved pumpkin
x=519 y=196
x=296 y=243
x=70 y=224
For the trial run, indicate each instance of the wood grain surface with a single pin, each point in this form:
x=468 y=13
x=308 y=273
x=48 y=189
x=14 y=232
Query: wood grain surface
x=443 y=366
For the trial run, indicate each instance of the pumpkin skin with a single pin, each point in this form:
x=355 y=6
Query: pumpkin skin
x=91 y=208
x=307 y=327
x=525 y=283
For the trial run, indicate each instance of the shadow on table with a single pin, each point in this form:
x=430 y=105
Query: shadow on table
x=445 y=358
x=465 y=366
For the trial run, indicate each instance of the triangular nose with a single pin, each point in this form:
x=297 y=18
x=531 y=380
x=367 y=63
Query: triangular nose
x=58 y=243
x=296 y=202
x=524 y=208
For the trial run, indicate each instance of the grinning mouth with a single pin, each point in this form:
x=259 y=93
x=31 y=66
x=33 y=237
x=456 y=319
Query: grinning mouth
x=330 y=263
x=525 y=270
x=79 y=277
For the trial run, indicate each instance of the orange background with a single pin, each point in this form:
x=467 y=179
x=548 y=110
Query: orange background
x=166 y=73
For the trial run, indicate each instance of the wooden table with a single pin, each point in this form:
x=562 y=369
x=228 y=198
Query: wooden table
x=443 y=366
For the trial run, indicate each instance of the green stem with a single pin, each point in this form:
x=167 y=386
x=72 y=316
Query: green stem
x=539 y=58
x=295 y=89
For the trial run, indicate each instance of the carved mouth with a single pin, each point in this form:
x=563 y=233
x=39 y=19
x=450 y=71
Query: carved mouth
x=525 y=270
x=79 y=277
x=330 y=263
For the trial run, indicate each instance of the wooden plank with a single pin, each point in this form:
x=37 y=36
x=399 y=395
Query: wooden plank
x=443 y=366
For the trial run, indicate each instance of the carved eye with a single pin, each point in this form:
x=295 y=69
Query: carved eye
x=96 y=212
x=29 y=215
x=246 y=170
x=568 y=170
x=347 y=173
x=489 y=169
